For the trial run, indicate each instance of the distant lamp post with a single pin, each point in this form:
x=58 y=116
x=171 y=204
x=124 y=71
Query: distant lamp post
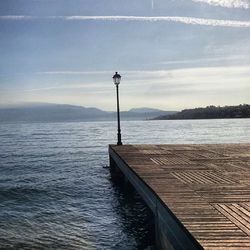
x=117 y=79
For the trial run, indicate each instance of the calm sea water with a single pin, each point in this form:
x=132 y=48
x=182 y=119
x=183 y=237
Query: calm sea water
x=56 y=194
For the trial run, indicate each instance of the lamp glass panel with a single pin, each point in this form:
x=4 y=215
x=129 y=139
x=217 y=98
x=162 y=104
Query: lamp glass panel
x=117 y=79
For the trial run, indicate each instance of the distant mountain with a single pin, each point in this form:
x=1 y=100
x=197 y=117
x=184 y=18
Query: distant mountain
x=49 y=112
x=210 y=112
x=145 y=110
x=144 y=113
x=45 y=112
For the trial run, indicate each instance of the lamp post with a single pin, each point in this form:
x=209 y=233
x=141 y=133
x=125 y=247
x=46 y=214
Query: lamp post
x=117 y=79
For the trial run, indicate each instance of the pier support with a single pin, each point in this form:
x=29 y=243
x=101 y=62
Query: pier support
x=118 y=176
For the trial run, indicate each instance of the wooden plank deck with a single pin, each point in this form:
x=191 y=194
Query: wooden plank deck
x=207 y=187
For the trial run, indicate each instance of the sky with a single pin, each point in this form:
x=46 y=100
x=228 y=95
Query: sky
x=171 y=54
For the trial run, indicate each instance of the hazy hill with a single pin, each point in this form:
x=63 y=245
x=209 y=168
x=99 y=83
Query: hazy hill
x=49 y=112
x=145 y=110
x=42 y=112
x=144 y=113
x=210 y=112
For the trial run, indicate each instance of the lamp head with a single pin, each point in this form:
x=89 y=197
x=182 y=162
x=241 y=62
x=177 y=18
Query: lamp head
x=116 y=78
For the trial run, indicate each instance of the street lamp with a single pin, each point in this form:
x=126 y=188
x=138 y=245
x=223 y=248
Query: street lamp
x=117 y=79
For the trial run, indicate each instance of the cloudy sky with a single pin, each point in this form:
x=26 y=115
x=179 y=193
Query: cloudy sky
x=172 y=54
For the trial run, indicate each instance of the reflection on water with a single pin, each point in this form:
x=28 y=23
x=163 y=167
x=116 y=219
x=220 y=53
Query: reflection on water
x=138 y=220
x=55 y=193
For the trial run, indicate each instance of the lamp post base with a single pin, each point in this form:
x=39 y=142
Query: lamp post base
x=119 y=142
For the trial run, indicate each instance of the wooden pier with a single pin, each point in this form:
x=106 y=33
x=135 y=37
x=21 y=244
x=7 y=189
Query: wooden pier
x=199 y=194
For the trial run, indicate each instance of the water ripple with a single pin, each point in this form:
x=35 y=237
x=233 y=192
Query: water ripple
x=55 y=193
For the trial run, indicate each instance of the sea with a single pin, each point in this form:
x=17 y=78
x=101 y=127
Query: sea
x=56 y=191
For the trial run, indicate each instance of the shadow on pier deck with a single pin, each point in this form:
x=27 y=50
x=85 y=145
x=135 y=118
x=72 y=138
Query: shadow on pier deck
x=199 y=194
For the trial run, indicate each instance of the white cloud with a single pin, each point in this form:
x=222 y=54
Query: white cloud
x=16 y=18
x=194 y=75
x=177 y=19
x=197 y=75
x=244 y=4
x=185 y=20
x=228 y=60
x=175 y=89
x=205 y=77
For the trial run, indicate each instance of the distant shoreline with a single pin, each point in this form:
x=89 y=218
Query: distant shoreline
x=185 y=119
x=210 y=112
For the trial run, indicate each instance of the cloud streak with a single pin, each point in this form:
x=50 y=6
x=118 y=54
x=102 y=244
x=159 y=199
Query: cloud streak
x=243 y=4
x=184 y=75
x=176 y=89
x=175 y=19
x=234 y=76
x=75 y=72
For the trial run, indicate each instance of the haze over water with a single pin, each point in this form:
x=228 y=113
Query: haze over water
x=55 y=193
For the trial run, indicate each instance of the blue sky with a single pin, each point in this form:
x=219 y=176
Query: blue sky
x=171 y=54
